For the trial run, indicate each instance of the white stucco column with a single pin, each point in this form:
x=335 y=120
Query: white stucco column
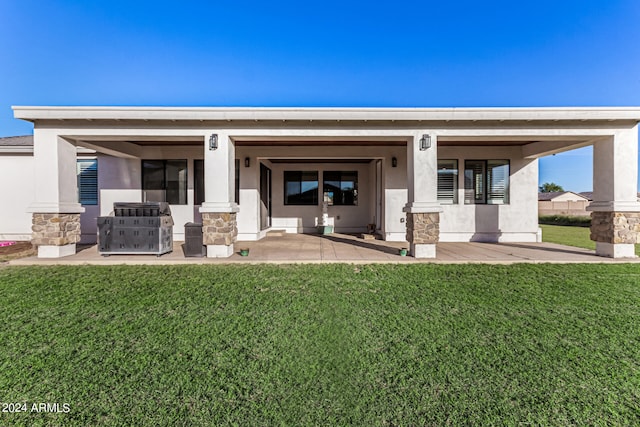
x=249 y=226
x=615 y=218
x=219 y=208
x=55 y=210
x=423 y=209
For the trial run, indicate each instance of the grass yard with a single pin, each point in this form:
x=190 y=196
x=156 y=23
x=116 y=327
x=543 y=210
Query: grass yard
x=572 y=236
x=322 y=344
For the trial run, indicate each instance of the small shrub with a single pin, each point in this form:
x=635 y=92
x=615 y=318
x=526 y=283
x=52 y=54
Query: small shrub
x=575 y=221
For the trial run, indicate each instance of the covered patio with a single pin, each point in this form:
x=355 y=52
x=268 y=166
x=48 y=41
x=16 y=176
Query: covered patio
x=431 y=176
x=336 y=248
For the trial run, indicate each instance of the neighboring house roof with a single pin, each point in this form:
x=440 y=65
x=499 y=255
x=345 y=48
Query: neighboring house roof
x=587 y=195
x=563 y=195
x=550 y=195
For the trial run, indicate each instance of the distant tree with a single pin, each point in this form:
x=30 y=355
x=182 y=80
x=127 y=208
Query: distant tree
x=550 y=187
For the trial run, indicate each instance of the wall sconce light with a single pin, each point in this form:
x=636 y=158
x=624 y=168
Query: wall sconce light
x=247 y=162
x=213 y=142
x=394 y=162
x=425 y=142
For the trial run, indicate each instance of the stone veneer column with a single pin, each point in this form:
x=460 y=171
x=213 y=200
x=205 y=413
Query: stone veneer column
x=423 y=228
x=615 y=211
x=219 y=229
x=616 y=233
x=55 y=209
x=55 y=234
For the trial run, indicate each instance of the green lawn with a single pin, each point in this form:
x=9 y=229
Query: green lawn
x=572 y=236
x=322 y=344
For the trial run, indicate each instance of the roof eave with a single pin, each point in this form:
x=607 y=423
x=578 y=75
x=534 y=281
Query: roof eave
x=35 y=113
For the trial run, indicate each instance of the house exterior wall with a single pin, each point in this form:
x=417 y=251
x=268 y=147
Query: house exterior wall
x=513 y=222
x=15 y=223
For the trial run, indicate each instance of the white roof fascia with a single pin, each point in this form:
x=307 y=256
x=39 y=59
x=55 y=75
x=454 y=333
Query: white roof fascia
x=34 y=113
x=20 y=149
x=16 y=149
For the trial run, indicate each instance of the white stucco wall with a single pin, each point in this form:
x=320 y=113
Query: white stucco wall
x=119 y=180
x=17 y=193
x=513 y=222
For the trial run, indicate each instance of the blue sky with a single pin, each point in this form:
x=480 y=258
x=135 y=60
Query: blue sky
x=329 y=53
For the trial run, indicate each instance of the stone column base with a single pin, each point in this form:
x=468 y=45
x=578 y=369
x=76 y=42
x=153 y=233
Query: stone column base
x=423 y=232
x=47 y=251
x=423 y=250
x=615 y=233
x=619 y=250
x=219 y=231
x=55 y=234
x=219 y=251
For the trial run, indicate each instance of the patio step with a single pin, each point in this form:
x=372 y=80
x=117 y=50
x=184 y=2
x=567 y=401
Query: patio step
x=367 y=236
x=276 y=233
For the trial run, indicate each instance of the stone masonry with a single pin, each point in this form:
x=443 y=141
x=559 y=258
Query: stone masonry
x=423 y=228
x=219 y=228
x=615 y=227
x=55 y=229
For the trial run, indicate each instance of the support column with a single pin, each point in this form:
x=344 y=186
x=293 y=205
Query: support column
x=219 y=209
x=615 y=211
x=55 y=211
x=422 y=209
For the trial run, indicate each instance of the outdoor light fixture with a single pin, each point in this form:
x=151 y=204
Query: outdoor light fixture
x=247 y=162
x=394 y=162
x=425 y=142
x=213 y=142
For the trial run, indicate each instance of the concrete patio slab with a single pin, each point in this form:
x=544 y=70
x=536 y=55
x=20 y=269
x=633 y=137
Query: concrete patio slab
x=306 y=248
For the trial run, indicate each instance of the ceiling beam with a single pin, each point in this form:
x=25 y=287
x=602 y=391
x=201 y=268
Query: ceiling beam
x=539 y=149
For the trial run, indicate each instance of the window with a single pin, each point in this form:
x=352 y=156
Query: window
x=486 y=182
x=448 y=181
x=165 y=181
x=87 y=172
x=300 y=187
x=340 y=188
